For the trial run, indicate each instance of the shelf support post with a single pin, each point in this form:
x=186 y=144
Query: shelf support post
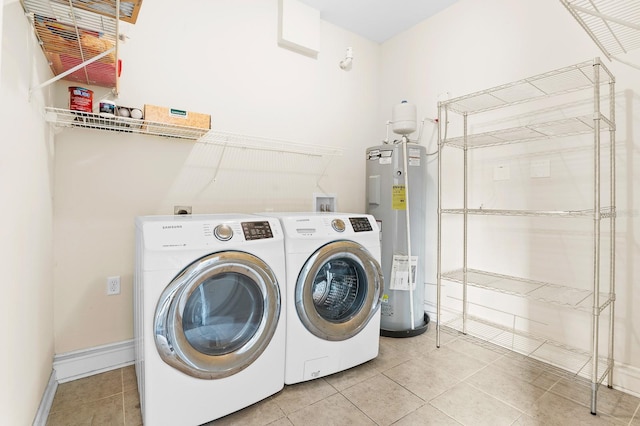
x=612 y=222
x=465 y=220
x=439 y=248
x=596 y=235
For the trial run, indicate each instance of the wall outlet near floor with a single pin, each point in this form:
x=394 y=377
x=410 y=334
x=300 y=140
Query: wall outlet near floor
x=113 y=285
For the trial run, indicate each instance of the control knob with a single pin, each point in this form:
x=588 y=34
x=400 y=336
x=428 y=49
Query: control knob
x=338 y=225
x=223 y=232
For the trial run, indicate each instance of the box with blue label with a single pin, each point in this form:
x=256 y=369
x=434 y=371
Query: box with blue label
x=201 y=123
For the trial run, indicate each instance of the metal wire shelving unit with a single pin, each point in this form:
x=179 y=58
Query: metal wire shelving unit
x=596 y=81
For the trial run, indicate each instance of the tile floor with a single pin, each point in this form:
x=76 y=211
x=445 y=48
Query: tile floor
x=411 y=382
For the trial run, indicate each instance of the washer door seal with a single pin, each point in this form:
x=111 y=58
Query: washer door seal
x=338 y=290
x=218 y=315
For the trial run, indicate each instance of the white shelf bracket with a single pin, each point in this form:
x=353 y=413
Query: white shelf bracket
x=71 y=70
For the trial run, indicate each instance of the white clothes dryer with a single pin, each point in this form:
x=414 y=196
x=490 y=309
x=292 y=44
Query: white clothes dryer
x=209 y=318
x=334 y=286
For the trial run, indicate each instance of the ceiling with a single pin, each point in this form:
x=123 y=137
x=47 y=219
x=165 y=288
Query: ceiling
x=377 y=20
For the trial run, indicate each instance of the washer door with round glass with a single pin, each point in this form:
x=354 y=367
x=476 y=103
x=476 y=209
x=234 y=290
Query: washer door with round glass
x=338 y=290
x=218 y=315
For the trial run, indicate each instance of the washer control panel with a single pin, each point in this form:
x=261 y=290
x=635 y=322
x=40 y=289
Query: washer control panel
x=256 y=230
x=360 y=224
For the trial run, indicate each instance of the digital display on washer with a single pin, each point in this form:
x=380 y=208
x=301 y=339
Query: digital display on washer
x=360 y=224
x=256 y=230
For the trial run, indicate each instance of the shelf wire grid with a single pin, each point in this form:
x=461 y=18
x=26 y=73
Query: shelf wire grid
x=76 y=119
x=546 y=353
x=70 y=37
x=605 y=212
x=564 y=80
x=559 y=295
x=613 y=25
x=528 y=133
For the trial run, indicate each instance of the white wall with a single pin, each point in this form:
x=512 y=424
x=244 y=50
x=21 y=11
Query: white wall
x=475 y=45
x=220 y=58
x=25 y=245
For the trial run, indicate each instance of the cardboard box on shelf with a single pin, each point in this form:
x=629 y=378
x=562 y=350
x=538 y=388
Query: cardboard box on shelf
x=177 y=117
x=177 y=123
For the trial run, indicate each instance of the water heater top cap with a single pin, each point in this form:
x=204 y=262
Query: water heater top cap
x=403 y=118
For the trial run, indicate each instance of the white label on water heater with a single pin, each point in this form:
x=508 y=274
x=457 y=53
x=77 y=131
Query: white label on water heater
x=400 y=272
x=385 y=160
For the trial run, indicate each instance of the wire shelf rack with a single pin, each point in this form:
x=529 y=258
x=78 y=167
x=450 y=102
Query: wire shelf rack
x=567 y=297
x=79 y=38
x=74 y=119
x=531 y=132
x=564 y=80
x=612 y=25
x=575 y=362
x=605 y=212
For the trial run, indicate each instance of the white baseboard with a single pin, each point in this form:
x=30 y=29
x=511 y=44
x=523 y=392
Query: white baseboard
x=87 y=362
x=47 y=400
x=626 y=378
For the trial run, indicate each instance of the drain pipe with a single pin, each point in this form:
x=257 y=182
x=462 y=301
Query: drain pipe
x=406 y=196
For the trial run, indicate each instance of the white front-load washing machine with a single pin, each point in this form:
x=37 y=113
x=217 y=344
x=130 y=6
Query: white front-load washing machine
x=334 y=286
x=209 y=315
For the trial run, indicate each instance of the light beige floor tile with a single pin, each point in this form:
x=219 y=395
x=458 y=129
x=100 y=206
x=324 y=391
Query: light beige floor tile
x=612 y=402
x=470 y=406
x=426 y=415
x=300 y=395
x=546 y=380
x=103 y=412
x=129 y=380
x=446 y=335
x=132 y=414
x=515 y=392
x=458 y=365
x=82 y=391
x=388 y=355
x=259 y=414
x=282 y=422
x=412 y=371
x=553 y=409
x=484 y=353
x=422 y=378
x=335 y=410
x=519 y=367
x=414 y=347
x=382 y=399
x=345 y=379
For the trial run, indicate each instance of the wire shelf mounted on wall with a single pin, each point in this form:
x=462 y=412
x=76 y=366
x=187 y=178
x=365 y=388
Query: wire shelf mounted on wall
x=612 y=25
x=64 y=118
x=80 y=38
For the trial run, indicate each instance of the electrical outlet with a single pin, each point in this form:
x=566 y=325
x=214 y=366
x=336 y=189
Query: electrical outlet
x=113 y=285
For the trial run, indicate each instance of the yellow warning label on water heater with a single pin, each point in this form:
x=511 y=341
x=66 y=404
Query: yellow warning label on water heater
x=398 y=198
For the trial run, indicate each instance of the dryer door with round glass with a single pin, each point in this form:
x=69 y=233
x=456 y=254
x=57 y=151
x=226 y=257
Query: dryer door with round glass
x=218 y=315
x=338 y=290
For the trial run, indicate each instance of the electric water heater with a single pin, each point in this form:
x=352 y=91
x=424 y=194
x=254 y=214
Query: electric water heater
x=387 y=200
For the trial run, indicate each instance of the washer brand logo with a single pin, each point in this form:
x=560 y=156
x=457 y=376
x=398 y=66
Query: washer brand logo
x=171 y=226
